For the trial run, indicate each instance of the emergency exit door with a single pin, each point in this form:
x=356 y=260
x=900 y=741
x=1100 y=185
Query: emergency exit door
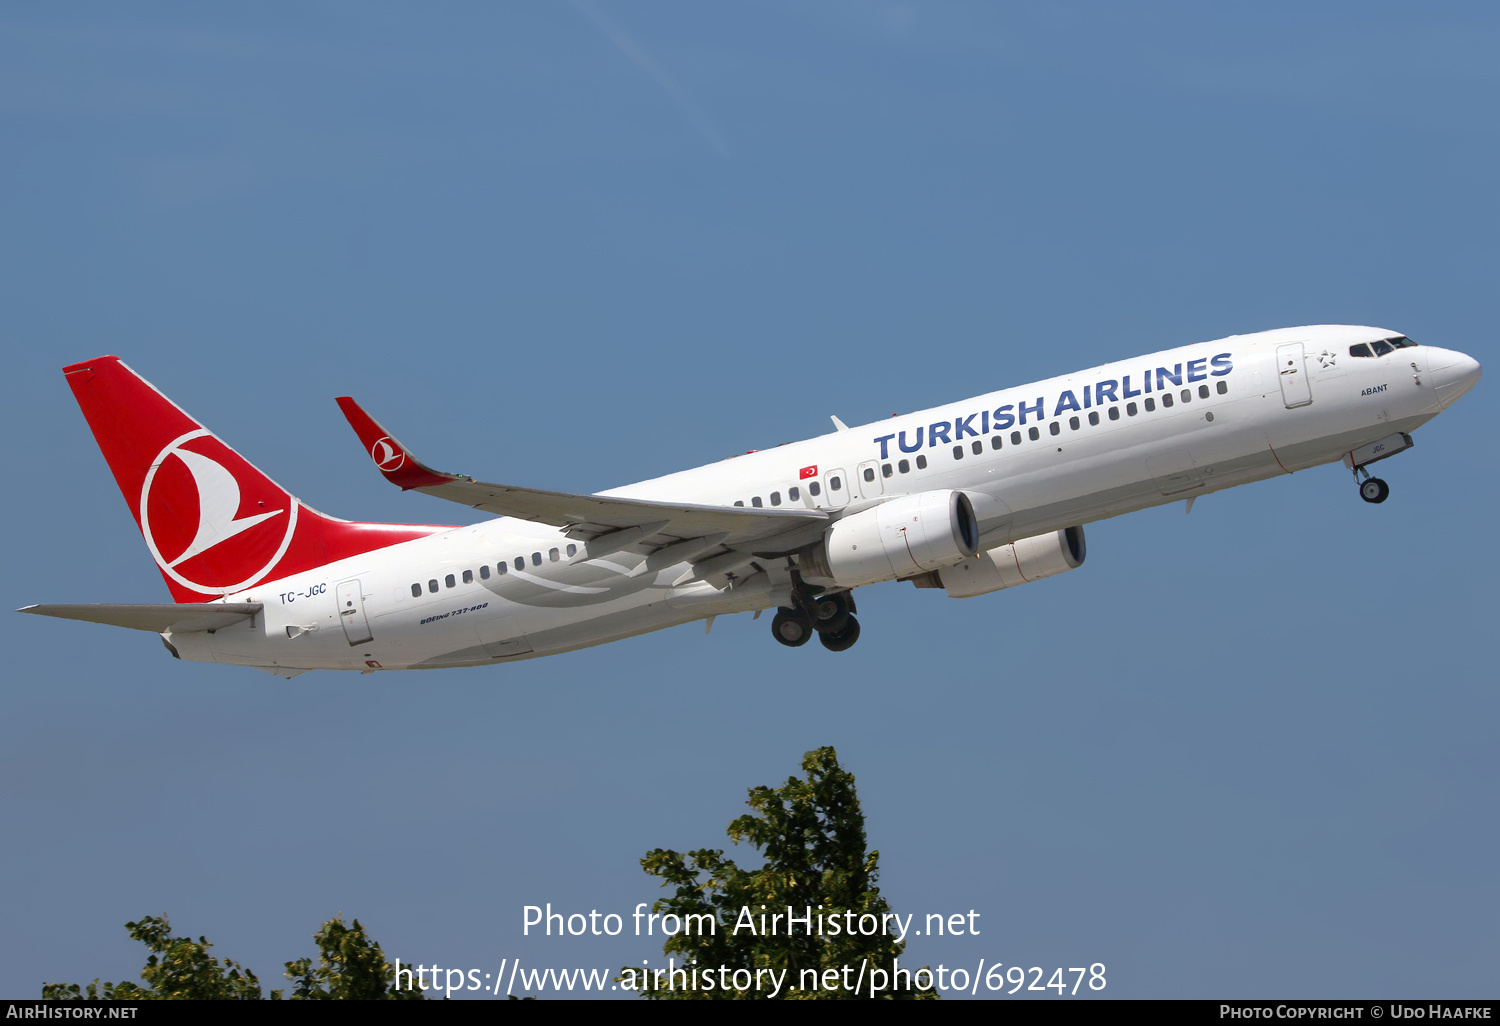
x=835 y=489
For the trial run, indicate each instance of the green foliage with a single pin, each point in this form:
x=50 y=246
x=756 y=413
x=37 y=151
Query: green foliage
x=350 y=967
x=177 y=968
x=812 y=835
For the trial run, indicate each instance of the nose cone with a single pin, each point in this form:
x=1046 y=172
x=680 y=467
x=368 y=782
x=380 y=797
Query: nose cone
x=1453 y=374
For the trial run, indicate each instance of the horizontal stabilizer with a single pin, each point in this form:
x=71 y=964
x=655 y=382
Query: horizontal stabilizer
x=179 y=618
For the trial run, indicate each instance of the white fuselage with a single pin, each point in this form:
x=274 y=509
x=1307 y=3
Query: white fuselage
x=1234 y=417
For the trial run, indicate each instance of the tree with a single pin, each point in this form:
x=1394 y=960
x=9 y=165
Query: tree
x=350 y=966
x=812 y=835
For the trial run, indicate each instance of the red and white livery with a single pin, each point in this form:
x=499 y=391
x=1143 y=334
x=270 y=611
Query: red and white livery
x=970 y=498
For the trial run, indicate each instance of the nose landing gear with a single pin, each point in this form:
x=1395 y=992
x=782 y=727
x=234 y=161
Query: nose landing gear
x=1371 y=489
x=1374 y=490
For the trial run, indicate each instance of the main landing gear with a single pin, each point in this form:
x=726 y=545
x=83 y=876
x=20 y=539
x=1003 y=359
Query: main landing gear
x=829 y=616
x=1371 y=489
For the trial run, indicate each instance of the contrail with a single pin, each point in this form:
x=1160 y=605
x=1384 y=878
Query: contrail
x=643 y=60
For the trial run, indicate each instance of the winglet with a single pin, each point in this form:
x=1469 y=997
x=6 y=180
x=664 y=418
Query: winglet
x=391 y=458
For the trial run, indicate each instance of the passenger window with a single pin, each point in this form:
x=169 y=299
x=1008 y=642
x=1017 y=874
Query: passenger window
x=755 y=501
x=502 y=568
x=776 y=498
x=536 y=559
x=1015 y=438
x=814 y=489
x=432 y=586
x=1166 y=399
x=958 y=452
x=1114 y=413
x=449 y=581
x=834 y=484
x=921 y=462
x=1203 y=391
x=1359 y=350
x=1150 y=405
x=869 y=473
x=520 y=562
x=416 y=591
x=904 y=466
x=468 y=577
x=1130 y=410
x=1034 y=434
x=1187 y=394
x=1073 y=423
x=572 y=551
x=994 y=441
x=978 y=447
x=1094 y=419
x=886 y=470
x=793 y=494
x=739 y=502
x=1382 y=348
x=1054 y=428
x=554 y=555
x=1223 y=387
x=484 y=572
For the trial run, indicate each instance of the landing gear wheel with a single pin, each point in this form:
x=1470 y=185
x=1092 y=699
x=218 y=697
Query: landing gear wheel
x=792 y=627
x=1374 y=490
x=840 y=641
x=830 y=613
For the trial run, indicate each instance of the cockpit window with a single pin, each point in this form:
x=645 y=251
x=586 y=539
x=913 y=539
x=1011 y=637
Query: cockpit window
x=1401 y=342
x=1360 y=350
x=1382 y=348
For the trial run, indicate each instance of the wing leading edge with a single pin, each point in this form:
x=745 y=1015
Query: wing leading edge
x=609 y=523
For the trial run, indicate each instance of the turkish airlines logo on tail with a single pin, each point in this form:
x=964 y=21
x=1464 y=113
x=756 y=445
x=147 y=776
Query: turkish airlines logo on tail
x=192 y=505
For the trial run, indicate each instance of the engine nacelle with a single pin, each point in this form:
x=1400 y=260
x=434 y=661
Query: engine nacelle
x=914 y=534
x=1022 y=562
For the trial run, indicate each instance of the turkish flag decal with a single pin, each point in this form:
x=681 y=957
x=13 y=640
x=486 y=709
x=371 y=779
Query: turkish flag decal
x=808 y=472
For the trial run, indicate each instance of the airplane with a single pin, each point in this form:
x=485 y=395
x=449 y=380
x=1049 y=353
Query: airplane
x=969 y=498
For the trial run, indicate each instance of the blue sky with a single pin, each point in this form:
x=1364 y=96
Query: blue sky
x=1243 y=753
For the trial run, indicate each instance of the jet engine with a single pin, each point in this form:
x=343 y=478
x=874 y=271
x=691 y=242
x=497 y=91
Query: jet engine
x=914 y=534
x=1021 y=562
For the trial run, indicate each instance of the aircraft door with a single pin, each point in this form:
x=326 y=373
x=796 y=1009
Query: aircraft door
x=352 y=613
x=1291 y=368
x=870 y=484
x=836 y=489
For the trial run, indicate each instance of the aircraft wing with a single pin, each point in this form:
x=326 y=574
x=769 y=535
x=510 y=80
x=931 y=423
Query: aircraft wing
x=587 y=517
x=177 y=617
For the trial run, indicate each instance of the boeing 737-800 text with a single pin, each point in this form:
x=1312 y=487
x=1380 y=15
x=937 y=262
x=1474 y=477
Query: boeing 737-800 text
x=970 y=498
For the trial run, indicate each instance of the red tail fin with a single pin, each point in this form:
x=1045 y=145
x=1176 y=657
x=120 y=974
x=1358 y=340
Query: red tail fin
x=214 y=524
